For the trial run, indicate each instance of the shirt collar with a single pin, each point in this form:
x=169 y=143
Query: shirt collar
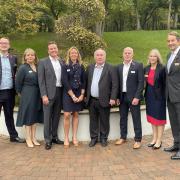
x=99 y=66
x=128 y=64
x=52 y=59
x=4 y=55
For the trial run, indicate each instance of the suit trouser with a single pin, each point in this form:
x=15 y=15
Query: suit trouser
x=99 y=120
x=8 y=103
x=174 y=117
x=125 y=105
x=52 y=115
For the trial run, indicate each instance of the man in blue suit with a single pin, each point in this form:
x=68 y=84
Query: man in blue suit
x=8 y=66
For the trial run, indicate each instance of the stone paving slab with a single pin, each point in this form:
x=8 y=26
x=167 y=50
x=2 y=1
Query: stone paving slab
x=17 y=162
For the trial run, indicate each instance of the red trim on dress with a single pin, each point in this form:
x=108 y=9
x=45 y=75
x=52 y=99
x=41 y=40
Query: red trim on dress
x=155 y=121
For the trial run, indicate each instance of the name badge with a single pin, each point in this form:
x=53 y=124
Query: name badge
x=68 y=70
x=146 y=75
x=133 y=72
x=176 y=64
x=30 y=71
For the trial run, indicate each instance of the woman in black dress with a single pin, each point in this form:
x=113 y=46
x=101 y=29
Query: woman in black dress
x=30 y=108
x=155 y=97
x=74 y=88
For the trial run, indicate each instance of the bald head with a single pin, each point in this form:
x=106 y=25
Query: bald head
x=100 y=56
x=128 y=54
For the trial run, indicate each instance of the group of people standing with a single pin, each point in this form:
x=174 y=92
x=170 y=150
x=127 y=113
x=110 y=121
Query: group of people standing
x=52 y=84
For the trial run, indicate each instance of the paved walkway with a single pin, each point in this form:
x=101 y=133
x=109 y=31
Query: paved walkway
x=17 y=162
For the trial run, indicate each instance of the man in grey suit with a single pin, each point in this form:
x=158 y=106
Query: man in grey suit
x=101 y=93
x=49 y=77
x=173 y=91
x=131 y=80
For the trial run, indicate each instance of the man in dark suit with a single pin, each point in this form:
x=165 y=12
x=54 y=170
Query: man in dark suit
x=49 y=78
x=101 y=94
x=131 y=80
x=8 y=66
x=173 y=91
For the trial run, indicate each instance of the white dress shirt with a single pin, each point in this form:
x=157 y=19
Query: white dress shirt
x=125 y=75
x=57 y=69
x=172 y=57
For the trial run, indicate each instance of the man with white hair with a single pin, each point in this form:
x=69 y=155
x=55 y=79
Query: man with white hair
x=131 y=80
x=101 y=93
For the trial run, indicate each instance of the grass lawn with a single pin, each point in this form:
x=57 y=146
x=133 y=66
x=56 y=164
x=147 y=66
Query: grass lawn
x=141 y=41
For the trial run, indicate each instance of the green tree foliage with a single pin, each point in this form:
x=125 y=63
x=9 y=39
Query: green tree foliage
x=18 y=16
x=76 y=26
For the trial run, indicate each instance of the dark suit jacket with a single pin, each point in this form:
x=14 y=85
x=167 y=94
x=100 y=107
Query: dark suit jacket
x=13 y=62
x=47 y=78
x=159 y=81
x=173 y=80
x=135 y=81
x=108 y=84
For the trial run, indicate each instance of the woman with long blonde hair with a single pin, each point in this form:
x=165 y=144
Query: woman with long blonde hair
x=74 y=88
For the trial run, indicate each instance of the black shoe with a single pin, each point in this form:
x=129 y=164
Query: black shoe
x=176 y=156
x=104 y=142
x=48 y=146
x=57 y=141
x=171 y=149
x=150 y=145
x=157 y=147
x=93 y=142
x=17 y=139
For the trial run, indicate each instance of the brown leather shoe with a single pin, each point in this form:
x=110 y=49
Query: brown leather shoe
x=137 y=145
x=120 y=141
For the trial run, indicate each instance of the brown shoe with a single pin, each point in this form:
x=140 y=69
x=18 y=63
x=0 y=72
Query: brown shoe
x=120 y=141
x=137 y=145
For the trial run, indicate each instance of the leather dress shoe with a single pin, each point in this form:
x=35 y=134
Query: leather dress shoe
x=137 y=145
x=176 y=156
x=171 y=149
x=93 y=142
x=120 y=141
x=57 y=141
x=48 y=146
x=104 y=143
x=17 y=139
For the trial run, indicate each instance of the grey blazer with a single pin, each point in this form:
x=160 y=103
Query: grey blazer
x=47 y=78
x=108 y=84
x=173 y=80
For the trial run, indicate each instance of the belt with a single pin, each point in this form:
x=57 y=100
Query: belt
x=95 y=98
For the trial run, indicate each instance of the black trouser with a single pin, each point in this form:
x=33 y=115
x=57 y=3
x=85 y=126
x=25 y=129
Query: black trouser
x=174 y=117
x=7 y=101
x=52 y=115
x=125 y=105
x=99 y=120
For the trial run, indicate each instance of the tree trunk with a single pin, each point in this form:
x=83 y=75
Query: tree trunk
x=175 y=20
x=99 y=28
x=169 y=15
x=138 y=24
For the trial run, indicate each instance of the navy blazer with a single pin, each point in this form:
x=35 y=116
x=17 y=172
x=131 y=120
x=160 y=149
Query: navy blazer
x=13 y=63
x=135 y=81
x=159 y=81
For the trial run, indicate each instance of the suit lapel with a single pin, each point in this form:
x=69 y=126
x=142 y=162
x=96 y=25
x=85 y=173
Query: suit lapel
x=51 y=67
x=91 y=71
x=11 y=61
x=177 y=57
x=103 y=72
x=121 y=73
x=130 y=69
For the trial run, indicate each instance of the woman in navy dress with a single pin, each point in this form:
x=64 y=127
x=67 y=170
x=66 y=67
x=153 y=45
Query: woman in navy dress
x=155 y=97
x=30 y=108
x=74 y=88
